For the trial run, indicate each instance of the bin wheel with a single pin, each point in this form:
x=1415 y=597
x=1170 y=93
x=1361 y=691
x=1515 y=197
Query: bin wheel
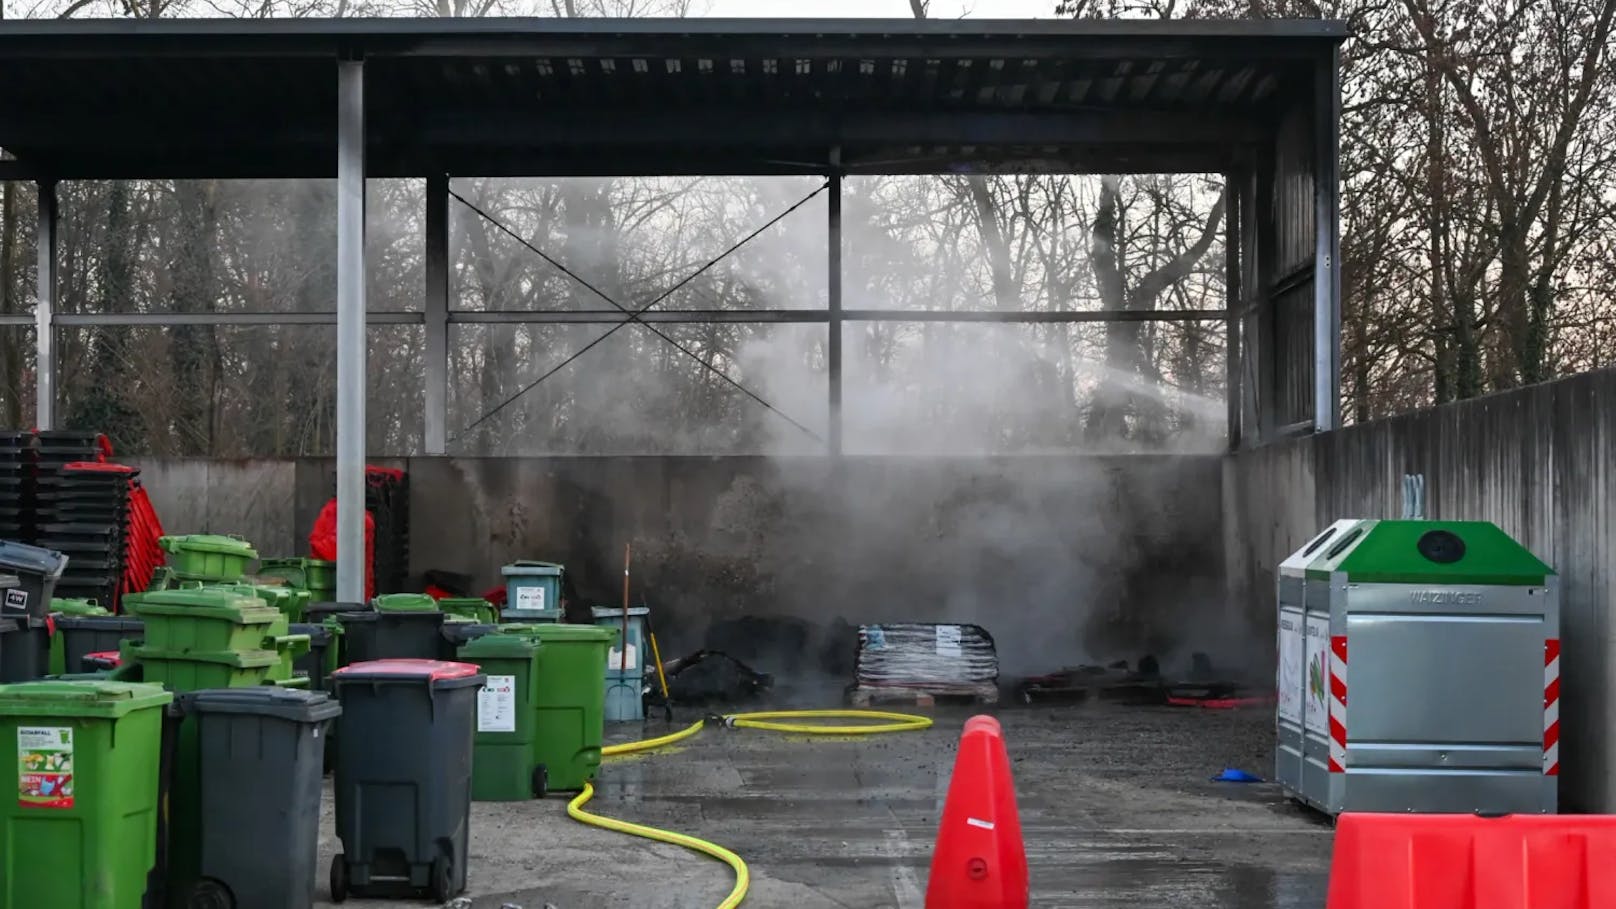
x=339 y=879
x=442 y=879
x=541 y=782
x=208 y=894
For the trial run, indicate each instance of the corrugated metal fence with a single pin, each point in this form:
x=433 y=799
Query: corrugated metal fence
x=1539 y=462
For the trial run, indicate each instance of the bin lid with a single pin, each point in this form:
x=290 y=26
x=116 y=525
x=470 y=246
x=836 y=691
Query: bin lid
x=267 y=564
x=464 y=603
x=86 y=698
x=209 y=542
x=76 y=607
x=264 y=700
x=1430 y=552
x=241 y=612
x=563 y=633
x=616 y=612
x=234 y=597
x=236 y=659
x=325 y=607
x=354 y=618
x=272 y=594
x=527 y=568
x=440 y=673
x=490 y=646
x=405 y=602
x=317 y=633
x=459 y=633
x=33 y=559
x=103 y=622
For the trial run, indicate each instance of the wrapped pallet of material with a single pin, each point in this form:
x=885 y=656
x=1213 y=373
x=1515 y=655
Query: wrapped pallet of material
x=911 y=660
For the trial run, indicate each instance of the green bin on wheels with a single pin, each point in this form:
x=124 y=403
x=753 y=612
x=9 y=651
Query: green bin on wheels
x=81 y=831
x=505 y=764
x=569 y=707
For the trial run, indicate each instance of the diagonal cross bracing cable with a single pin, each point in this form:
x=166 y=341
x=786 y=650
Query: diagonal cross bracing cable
x=633 y=316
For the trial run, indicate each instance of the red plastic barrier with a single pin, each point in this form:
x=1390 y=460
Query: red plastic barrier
x=980 y=860
x=1460 y=861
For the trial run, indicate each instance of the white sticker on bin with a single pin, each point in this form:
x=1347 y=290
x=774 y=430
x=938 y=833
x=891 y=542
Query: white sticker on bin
x=496 y=705
x=615 y=662
x=530 y=598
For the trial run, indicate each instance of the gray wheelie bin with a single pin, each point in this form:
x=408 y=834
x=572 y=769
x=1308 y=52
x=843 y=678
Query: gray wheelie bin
x=403 y=776
x=260 y=758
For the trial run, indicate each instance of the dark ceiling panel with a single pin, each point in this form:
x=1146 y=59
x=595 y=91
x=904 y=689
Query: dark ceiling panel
x=240 y=97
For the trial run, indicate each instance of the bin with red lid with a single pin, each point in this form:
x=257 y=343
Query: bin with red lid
x=403 y=776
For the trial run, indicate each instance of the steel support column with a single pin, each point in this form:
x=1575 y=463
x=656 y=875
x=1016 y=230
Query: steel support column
x=1327 y=251
x=1234 y=378
x=45 y=310
x=351 y=331
x=437 y=313
x=1253 y=300
x=833 y=346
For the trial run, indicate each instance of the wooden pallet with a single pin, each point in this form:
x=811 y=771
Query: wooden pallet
x=920 y=697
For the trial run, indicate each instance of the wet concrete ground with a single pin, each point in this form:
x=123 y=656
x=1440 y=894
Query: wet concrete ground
x=1116 y=810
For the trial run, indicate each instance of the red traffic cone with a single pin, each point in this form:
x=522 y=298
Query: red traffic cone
x=979 y=861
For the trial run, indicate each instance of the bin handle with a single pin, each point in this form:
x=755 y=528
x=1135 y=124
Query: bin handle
x=299 y=644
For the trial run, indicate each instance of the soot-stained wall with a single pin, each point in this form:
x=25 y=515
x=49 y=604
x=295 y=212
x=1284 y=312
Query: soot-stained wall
x=1064 y=559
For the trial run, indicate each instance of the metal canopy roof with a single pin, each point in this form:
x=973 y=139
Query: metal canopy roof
x=508 y=97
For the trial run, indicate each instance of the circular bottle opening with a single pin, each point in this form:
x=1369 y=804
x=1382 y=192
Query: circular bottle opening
x=1441 y=546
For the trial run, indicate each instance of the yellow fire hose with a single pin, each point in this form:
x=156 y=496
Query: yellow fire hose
x=776 y=721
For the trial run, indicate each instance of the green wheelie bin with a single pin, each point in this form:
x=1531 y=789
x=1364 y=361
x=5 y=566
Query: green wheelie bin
x=81 y=831
x=569 y=701
x=505 y=763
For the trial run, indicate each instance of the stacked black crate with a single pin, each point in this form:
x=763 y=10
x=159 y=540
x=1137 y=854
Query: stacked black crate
x=387 y=500
x=16 y=486
x=84 y=513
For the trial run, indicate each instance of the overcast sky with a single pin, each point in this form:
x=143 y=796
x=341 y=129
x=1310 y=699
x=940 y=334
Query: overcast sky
x=895 y=9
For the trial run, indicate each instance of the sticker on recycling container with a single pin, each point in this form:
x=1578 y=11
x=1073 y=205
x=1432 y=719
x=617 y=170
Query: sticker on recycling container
x=530 y=598
x=45 y=766
x=615 y=660
x=948 y=640
x=496 y=705
x=17 y=600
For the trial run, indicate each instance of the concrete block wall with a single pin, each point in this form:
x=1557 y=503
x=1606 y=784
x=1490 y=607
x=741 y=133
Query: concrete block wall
x=1539 y=462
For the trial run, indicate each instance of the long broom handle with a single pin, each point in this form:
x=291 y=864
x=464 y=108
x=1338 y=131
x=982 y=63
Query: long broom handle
x=623 y=655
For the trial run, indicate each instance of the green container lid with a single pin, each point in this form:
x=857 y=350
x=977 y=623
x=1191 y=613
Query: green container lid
x=209 y=542
x=1429 y=552
x=507 y=646
x=267 y=564
x=236 y=659
x=87 y=698
x=562 y=633
x=77 y=607
x=233 y=596
x=243 y=612
x=405 y=602
x=528 y=568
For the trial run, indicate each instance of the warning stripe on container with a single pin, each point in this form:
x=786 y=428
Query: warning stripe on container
x=1551 y=707
x=1338 y=703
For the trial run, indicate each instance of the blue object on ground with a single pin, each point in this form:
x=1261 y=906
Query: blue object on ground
x=1231 y=775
